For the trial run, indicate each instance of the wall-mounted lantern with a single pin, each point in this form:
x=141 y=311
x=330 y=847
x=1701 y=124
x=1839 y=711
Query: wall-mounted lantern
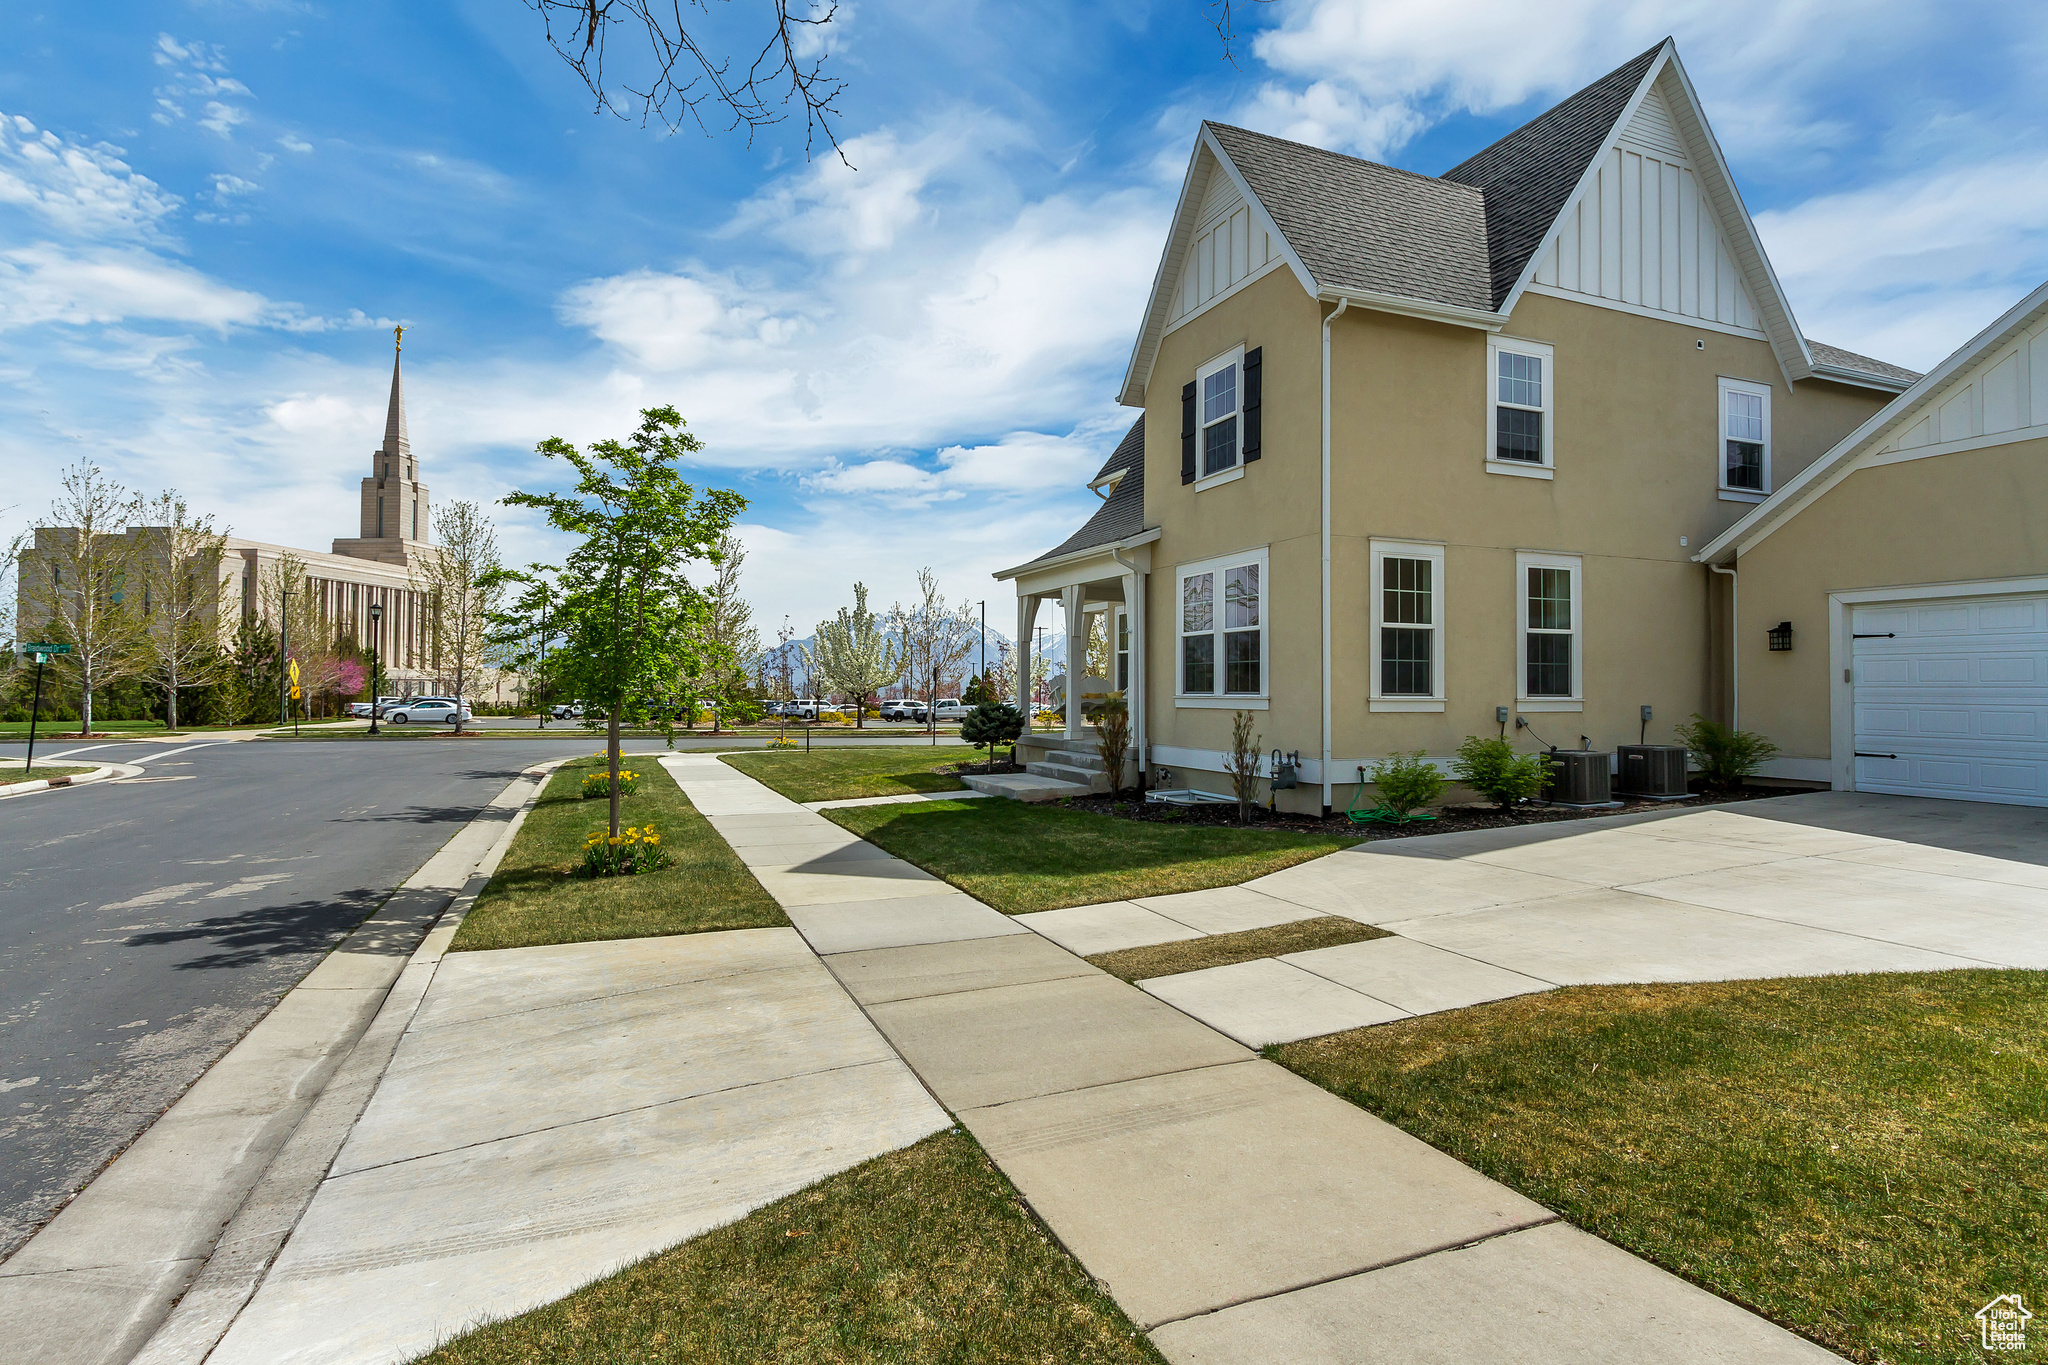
x=1781 y=637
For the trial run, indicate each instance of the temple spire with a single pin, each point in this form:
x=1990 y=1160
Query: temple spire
x=396 y=441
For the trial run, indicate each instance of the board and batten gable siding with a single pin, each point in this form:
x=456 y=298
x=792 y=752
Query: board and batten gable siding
x=1643 y=235
x=1228 y=249
x=2005 y=392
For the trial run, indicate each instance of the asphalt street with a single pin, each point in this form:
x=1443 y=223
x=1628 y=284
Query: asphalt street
x=147 y=924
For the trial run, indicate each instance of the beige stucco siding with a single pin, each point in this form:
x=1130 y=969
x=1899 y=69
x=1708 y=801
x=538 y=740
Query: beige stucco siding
x=1636 y=467
x=1975 y=515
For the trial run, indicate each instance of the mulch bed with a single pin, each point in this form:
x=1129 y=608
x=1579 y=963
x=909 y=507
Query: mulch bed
x=1449 y=820
x=984 y=769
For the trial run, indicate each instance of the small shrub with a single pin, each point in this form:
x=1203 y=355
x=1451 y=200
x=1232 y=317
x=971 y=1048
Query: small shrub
x=1492 y=768
x=1242 y=763
x=637 y=849
x=1724 y=757
x=1407 y=782
x=990 y=724
x=600 y=784
x=1113 y=738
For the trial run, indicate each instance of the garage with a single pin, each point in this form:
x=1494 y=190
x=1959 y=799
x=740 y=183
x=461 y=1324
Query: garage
x=1951 y=698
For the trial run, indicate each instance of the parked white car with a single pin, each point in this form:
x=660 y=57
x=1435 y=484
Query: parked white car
x=807 y=708
x=361 y=708
x=951 y=708
x=568 y=710
x=428 y=709
x=903 y=708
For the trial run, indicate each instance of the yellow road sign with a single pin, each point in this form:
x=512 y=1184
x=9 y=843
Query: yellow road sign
x=296 y=694
x=295 y=676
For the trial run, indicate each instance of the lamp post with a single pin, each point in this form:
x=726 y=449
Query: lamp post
x=376 y=657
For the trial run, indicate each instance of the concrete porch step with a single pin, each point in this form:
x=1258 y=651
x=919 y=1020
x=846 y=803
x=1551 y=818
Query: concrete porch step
x=1087 y=778
x=1072 y=758
x=1024 y=786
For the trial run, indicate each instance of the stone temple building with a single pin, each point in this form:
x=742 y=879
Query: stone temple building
x=377 y=565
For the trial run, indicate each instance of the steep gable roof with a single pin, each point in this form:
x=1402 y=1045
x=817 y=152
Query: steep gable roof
x=1360 y=225
x=1529 y=176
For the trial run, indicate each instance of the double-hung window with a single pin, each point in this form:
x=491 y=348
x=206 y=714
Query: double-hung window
x=1550 y=617
x=1519 y=386
x=1745 y=440
x=1407 y=626
x=1217 y=396
x=1223 y=629
x=1123 y=649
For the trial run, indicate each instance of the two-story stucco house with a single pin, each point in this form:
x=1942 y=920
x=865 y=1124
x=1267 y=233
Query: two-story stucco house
x=1417 y=453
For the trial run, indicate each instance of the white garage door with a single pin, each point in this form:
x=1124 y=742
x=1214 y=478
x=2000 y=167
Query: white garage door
x=1952 y=699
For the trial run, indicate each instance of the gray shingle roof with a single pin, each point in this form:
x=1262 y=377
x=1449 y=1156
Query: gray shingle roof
x=1122 y=513
x=1360 y=225
x=1824 y=354
x=1528 y=175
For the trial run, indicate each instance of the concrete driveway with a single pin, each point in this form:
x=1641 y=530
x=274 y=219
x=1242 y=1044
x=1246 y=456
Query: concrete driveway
x=1794 y=886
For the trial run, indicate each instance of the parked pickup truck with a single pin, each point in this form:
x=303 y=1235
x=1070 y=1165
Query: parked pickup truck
x=951 y=708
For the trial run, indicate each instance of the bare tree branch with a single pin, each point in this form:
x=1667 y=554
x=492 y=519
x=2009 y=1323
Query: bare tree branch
x=788 y=69
x=1223 y=19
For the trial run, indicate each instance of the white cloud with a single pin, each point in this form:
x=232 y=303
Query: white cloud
x=50 y=283
x=198 y=72
x=75 y=189
x=293 y=143
x=1909 y=270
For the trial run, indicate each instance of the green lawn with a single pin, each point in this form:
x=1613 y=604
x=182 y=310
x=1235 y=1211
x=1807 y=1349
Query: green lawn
x=537 y=897
x=842 y=774
x=923 y=1256
x=1020 y=857
x=1221 y=950
x=11 y=773
x=1863 y=1159
x=47 y=729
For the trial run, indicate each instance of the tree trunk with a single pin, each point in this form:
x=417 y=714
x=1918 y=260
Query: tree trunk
x=458 y=700
x=612 y=751
x=85 y=701
x=171 y=699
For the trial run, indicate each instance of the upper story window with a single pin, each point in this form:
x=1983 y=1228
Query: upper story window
x=1551 y=622
x=1217 y=383
x=1745 y=439
x=1223 y=627
x=1519 y=402
x=1407 y=626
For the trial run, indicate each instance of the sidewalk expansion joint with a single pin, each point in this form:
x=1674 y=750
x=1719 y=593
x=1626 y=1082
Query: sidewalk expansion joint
x=1370 y=1269
x=601 y=1118
x=1121 y=1080
x=590 y=999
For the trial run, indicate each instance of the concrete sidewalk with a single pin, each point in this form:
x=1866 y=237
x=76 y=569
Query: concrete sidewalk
x=1238 y=1213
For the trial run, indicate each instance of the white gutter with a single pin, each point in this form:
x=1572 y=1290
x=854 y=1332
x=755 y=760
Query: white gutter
x=1484 y=319
x=1342 y=304
x=1734 y=647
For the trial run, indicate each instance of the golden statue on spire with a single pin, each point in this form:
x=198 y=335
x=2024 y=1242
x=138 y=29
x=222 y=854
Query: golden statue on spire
x=398 y=337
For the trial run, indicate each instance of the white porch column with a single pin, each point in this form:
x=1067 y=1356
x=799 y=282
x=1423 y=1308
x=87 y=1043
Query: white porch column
x=1076 y=667
x=1134 y=622
x=1027 y=619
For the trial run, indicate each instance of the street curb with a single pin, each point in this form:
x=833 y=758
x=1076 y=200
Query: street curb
x=118 y=1266
x=41 y=784
x=259 y=1228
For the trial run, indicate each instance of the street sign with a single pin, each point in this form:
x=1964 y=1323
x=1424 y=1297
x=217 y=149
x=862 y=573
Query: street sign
x=46 y=649
x=295 y=676
x=296 y=694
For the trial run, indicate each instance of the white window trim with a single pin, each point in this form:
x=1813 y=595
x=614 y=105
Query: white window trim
x=1723 y=387
x=1203 y=477
x=1243 y=701
x=1526 y=560
x=1541 y=350
x=1382 y=550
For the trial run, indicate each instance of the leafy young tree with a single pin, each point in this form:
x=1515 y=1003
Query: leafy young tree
x=78 y=584
x=520 y=633
x=730 y=640
x=178 y=564
x=936 y=638
x=460 y=580
x=853 y=654
x=629 y=618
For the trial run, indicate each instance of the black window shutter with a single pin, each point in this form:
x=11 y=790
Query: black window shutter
x=1187 y=433
x=1253 y=377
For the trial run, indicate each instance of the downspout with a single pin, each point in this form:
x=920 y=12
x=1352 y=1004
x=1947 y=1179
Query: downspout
x=1135 y=617
x=1734 y=648
x=1342 y=304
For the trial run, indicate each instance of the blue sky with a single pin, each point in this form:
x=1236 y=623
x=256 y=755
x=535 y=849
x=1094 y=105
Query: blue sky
x=212 y=212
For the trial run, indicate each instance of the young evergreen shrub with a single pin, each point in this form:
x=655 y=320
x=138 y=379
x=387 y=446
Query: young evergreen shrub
x=1492 y=768
x=990 y=724
x=1406 y=782
x=1724 y=756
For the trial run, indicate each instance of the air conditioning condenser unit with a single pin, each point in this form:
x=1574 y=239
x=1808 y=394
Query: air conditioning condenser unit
x=1579 y=777
x=1654 y=772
